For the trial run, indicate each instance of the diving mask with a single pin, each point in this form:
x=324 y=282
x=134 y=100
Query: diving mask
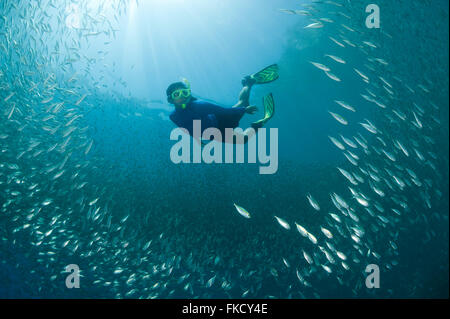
x=181 y=93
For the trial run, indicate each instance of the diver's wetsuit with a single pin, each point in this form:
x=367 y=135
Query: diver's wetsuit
x=211 y=115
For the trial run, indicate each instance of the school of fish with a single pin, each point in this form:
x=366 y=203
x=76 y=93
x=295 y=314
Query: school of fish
x=58 y=207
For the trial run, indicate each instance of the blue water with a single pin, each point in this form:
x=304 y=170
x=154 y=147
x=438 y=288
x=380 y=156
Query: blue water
x=140 y=226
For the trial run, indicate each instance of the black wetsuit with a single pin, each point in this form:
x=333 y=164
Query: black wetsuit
x=209 y=114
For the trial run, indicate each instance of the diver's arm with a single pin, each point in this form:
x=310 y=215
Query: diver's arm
x=251 y=109
x=227 y=111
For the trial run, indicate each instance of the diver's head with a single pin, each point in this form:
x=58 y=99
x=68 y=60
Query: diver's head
x=179 y=94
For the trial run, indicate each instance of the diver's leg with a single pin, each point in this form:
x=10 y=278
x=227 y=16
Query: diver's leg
x=244 y=97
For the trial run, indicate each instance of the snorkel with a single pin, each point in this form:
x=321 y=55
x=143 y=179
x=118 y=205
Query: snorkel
x=188 y=85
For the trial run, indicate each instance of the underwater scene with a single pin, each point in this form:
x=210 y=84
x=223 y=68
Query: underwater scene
x=343 y=111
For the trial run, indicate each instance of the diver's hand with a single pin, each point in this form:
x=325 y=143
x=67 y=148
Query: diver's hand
x=251 y=109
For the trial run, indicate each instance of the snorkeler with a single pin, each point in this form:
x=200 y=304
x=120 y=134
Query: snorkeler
x=189 y=108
